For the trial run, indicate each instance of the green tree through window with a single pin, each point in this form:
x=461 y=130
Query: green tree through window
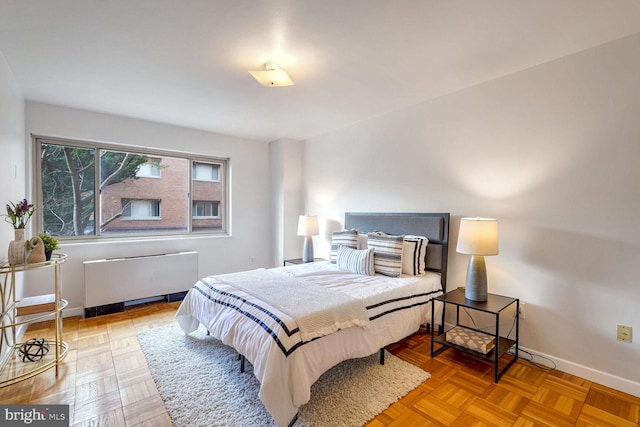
x=68 y=185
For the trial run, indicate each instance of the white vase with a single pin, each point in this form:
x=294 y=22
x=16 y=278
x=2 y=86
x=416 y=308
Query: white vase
x=17 y=250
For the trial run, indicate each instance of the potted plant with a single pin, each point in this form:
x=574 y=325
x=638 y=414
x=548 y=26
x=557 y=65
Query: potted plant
x=50 y=244
x=18 y=215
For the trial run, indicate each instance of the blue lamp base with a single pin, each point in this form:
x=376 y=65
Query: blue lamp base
x=307 y=250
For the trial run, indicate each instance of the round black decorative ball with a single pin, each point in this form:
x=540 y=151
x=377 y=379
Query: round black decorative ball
x=33 y=350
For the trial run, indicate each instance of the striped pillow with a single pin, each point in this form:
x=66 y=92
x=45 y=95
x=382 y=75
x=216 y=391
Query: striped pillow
x=362 y=241
x=348 y=238
x=387 y=255
x=414 y=253
x=358 y=261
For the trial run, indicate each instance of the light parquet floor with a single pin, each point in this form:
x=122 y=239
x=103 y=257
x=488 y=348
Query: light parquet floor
x=106 y=382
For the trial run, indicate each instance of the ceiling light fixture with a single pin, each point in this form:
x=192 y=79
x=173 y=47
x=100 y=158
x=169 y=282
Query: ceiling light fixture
x=273 y=76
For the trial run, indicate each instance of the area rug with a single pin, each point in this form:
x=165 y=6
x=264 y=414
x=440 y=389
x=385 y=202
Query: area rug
x=200 y=382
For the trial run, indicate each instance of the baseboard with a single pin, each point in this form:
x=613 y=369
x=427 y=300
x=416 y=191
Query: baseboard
x=101 y=310
x=603 y=378
x=119 y=307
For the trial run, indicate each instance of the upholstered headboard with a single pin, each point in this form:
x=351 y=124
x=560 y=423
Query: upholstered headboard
x=434 y=226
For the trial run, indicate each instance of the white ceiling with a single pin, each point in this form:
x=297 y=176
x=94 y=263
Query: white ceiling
x=186 y=62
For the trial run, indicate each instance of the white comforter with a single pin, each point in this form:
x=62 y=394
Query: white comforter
x=286 y=365
x=318 y=311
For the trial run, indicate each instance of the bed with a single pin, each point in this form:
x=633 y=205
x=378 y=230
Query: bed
x=289 y=350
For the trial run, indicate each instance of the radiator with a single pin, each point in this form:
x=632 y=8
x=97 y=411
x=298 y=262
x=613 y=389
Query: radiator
x=117 y=280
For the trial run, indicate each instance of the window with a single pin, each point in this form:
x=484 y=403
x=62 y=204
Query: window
x=150 y=169
x=205 y=172
x=91 y=189
x=205 y=209
x=141 y=209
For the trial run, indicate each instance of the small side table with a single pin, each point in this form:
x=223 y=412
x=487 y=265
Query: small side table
x=494 y=305
x=295 y=261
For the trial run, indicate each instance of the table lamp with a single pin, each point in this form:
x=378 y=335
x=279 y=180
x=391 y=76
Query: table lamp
x=477 y=237
x=307 y=227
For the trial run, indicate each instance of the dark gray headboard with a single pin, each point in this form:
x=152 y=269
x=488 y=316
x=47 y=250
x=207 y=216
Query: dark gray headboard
x=434 y=226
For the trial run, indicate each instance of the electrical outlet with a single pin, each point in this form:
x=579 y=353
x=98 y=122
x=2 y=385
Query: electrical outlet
x=623 y=332
x=522 y=310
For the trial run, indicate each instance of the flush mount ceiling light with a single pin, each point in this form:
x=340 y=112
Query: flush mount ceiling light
x=273 y=76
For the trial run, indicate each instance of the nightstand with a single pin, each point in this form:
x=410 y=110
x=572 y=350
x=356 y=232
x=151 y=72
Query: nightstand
x=494 y=306
x=295 y=261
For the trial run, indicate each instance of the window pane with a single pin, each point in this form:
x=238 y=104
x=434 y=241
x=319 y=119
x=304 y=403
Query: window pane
x=143 y=204
x=150 y=169
x=206 y=172
x=140 y=209
x=68 y=199
x=208 y=196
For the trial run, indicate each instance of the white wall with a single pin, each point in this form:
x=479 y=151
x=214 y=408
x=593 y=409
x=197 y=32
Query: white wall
x=12 y=163
x=552 y=152
x=12 y=170
x=286 y=204
x=249 y=167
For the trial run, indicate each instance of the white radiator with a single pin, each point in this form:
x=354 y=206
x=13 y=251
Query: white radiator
x=109 y=281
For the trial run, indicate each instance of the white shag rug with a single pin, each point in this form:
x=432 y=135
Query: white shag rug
x=200 y=382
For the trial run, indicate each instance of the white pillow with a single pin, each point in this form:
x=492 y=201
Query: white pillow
x=387 y=257
x=358 y=261
x=414 y=252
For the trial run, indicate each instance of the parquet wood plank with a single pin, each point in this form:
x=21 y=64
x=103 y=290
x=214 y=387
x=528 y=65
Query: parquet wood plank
x=410 y=418
x=103 y=405
x=437 y=410
x=129 y=361
x=454 y=395
x=545 y=415
x=162 y=420
x=559 y=396
x=477 y=385
x=490 y=414
x=136 y=385
x=592 y=416
x=615 y=402
x=467 y=420
x=393 y=412
x=48 y=383
x=124 y=345
x=114 y=418
x=505 y=399
x=94 y=389
x=145 y=409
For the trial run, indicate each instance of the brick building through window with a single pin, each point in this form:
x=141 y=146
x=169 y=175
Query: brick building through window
x=158 y=198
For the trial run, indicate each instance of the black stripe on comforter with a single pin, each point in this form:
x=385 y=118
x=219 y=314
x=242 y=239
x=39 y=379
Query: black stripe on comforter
x=406 y=302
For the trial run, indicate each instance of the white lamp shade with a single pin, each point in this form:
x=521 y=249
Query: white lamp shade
x=308 y=225
x=478 y=236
